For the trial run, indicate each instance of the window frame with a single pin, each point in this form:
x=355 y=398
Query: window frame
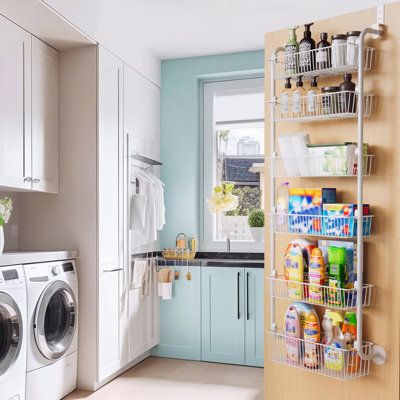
x=208 y=158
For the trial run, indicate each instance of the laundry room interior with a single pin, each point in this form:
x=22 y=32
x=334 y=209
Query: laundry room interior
x=181 y=186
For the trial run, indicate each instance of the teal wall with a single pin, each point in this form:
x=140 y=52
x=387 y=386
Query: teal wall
x=181 y=136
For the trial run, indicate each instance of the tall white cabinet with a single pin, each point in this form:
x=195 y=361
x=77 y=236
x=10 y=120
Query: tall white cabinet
x=28 y=111
x=100 y=103
x=110 y=213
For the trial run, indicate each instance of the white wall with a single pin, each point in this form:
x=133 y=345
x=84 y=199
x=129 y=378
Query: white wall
x=97 y=19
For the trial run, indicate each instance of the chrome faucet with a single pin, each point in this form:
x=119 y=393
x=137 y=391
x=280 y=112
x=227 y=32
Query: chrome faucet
x=228 y=245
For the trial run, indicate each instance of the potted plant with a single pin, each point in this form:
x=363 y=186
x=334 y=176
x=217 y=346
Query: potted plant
x=6 y=206
x=256 y=224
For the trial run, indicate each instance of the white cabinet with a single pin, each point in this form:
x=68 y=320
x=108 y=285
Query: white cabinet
x=44 y=117
x=15 y=106
x=110 y=213
x=28 y=111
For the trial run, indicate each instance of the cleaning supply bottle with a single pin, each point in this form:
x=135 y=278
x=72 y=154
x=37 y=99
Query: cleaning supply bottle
x=282 y=202
x=312 y=98
x=337 y=275
x=291 y=52
x=323 y=56
x=327 y=327
x=349 y=331
x=298 y=99
x=306 y=51
x=292 y=335
x=316 y=276
x=285 y=99
x=335 y=350
x=295 y=272
x=312 y=335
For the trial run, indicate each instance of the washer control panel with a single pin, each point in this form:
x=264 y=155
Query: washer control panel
x=46 y=272
x=11 y=276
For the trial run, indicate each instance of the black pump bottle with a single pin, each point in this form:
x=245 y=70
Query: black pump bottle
x=306 y=47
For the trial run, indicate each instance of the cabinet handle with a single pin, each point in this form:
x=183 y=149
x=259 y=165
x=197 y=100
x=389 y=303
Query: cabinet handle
x=28 y=179
x=113 y=270
x=238 y=295
x=36 y=180
x=247 y=296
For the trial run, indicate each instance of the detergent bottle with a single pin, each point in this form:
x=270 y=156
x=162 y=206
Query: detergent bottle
x=349 y=330
x=337 y=275
x=292 y=335
x=316 y=276
x=327 y=328
x=294 y=265
x=312 y=336
x=335 y=351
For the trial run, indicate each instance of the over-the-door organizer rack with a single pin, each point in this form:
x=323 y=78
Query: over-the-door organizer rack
x=361 y=295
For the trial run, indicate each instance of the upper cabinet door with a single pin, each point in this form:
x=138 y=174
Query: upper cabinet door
x=254 y=316
x=44 y=117
x=15 y=106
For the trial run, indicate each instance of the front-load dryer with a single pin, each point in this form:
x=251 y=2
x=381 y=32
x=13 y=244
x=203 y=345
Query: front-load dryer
x=52 y=297
x=13 y=333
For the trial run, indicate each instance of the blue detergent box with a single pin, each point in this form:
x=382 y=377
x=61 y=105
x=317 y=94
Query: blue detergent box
x=304 y=203
x=343 y=222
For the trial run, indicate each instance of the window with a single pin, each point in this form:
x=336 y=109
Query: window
x=233 y=148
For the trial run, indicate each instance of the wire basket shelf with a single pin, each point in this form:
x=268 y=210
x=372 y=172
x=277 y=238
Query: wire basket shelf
x=320 y=107
x=312 y=293
x=320 y=225
x=312 y=166
x=323 y=62
x=317 y=358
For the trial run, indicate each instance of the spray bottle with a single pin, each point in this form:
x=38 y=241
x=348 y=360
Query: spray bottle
x=291 y=50
x=349 y=330
x=335 y=351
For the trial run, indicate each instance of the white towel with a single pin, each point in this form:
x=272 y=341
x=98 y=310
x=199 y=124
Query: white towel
x=137 y=212
x=139 y=270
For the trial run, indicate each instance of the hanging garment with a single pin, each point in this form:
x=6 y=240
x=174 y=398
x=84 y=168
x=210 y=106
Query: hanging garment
x=139 y=270
x=160 y=205
x=137 y=213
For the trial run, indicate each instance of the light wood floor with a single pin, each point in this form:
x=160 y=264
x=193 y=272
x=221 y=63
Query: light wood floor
x=167 y=379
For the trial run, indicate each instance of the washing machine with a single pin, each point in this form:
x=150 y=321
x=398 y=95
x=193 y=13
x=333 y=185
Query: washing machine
x=52 y=302
x=13 y=333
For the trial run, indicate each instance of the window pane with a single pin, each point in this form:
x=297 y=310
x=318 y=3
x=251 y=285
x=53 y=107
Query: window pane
x=239 y=146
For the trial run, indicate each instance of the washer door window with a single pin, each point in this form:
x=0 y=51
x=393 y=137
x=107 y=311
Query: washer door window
x=55 y=320
x=10 y=332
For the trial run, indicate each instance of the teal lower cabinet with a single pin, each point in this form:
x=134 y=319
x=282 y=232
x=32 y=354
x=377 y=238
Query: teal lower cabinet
x=217 y=316
x=223 y=315
x=233 y=315
x=254 y=317
x=180 y=318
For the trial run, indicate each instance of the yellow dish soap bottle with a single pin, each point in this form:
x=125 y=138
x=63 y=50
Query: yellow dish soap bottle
x=312 y=336
x=316 y=276
x=295 y=272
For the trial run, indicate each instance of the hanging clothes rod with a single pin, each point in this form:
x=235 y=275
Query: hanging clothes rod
x=146 y=160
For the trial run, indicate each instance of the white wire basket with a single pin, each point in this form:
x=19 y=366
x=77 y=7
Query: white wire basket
x=320 y=107
x=327 y=360
x=328 y=61
x=327 y=165
x=320 y=225
x=311 y=293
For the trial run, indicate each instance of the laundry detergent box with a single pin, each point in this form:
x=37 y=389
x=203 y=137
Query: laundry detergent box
x=350 y=267
x=339 y=220
x=304 y=203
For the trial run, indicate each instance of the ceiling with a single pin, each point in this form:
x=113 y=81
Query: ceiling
x=185 y=28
